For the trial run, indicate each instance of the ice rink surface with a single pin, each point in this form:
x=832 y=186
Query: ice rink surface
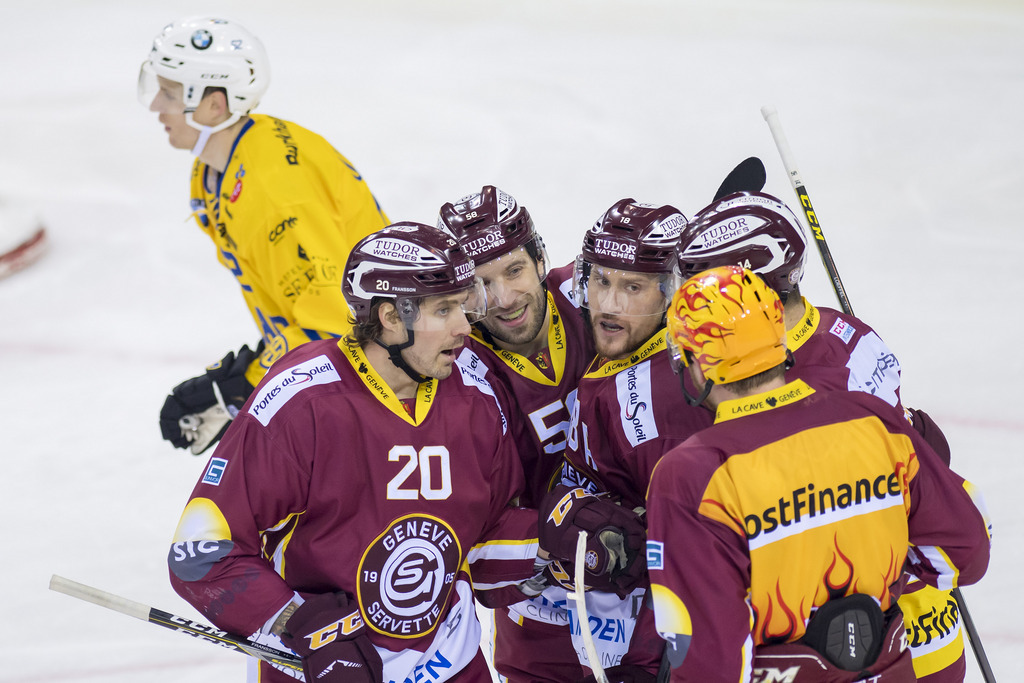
x=904 y=116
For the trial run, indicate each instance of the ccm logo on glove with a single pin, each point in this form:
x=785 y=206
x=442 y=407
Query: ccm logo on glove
x=346 y=626
x=327 y=631
x=563 y=506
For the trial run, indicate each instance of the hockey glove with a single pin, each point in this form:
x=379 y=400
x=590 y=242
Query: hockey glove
x=926 y=427
x=197 y=412
x=328 y=632
x=615 y=559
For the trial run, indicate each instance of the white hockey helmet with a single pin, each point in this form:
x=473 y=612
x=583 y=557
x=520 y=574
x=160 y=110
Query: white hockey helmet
x=204 y=52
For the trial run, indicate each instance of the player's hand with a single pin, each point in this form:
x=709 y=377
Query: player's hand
x=615 y=537
x=192 y=415
x=328 y=632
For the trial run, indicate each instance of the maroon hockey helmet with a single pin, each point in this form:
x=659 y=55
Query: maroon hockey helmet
x=631 y=237
x=407 y=262
x=490 y=224
x=636 y=237
x=752 y=230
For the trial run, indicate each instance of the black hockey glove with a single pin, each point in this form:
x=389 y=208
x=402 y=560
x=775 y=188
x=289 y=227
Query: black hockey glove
x=194 y=416
x=615 y=559
x=327 y=631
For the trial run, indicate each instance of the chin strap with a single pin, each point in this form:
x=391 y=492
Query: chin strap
x=204 y=135
x=206 y=131
x=395 y=356
x=696 y=400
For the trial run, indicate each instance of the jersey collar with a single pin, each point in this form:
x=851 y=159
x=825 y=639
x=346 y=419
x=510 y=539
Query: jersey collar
x=556 y=346
x=231 y=154
x=796 y=337
x=656 y=343
x=759 y=403
x=425 y=392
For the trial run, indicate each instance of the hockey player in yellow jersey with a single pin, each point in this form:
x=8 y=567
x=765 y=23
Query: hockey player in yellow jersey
x=281 y=205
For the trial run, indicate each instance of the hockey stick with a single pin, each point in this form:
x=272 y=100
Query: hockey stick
x=972 y=634
x=771 y=116
x=580 y=596
x=175 y=623
x=748 y=176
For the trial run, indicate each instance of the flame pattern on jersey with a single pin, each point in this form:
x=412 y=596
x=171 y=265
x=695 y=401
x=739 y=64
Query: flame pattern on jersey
x=833 y=478
x=835 y=350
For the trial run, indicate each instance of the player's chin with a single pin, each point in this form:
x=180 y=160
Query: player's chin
x=612 y=349
x=442 y=371
x=445 y=363
x=178 y=142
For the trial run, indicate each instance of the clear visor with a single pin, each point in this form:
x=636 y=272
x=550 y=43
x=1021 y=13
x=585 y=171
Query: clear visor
x=474 y=302
x=163 y=95
x=612 y=291
x=468 y=305
x=148 y=86
x=676 y=355
x=512 y=280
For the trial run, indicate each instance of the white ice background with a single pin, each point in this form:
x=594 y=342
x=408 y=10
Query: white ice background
x=904 y=116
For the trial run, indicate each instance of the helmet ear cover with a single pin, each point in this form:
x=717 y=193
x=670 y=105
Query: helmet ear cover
x=408 y=310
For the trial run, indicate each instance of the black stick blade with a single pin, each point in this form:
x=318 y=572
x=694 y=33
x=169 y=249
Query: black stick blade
x=748 y=176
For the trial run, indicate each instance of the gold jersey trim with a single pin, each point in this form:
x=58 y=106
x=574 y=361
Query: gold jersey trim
x=425 y=392
x=796 y=337
x=758 y=403
x=652 y=346
x=556 y=345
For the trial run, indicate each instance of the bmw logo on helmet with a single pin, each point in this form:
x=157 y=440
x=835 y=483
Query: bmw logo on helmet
x=202 y=39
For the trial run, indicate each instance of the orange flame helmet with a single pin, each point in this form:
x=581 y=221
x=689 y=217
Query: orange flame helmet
x=731 y=322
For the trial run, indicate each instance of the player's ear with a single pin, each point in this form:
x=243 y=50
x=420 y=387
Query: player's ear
x=392 y=328
x=387 y=314
x=216 y=99
x=540 y=266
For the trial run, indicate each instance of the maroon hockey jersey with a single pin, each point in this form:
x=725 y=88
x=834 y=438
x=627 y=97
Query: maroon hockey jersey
x=540 y=404
x=628 y=413
x=834 y=350
x=324 y=482
x=832 y=478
